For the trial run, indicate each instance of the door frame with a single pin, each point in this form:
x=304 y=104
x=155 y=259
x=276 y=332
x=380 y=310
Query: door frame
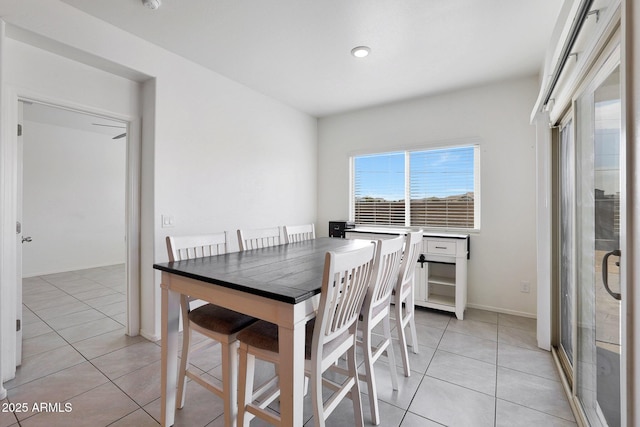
x=8 y=196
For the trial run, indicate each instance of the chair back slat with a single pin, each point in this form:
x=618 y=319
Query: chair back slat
x=299 y=233
x=413 y=248
x=181 y=248
x=345 y=282
x=385 y=275
x=258 y=238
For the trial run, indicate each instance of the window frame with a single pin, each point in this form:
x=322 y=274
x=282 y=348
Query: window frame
x=475 y=144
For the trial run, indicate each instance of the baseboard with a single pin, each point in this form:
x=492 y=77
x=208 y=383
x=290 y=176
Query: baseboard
x=45 y=273
x=502 y=310
x=150 y=337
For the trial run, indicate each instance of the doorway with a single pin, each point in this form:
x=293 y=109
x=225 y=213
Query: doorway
x=75 y=186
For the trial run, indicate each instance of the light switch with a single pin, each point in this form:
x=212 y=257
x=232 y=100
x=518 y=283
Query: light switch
x=167 y=221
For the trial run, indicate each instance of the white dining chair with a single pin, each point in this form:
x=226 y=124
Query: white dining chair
x=217 y=323
x=376 y=309
x=331 y=334
x=404 y=303
x=258 y=238
x=298 y=233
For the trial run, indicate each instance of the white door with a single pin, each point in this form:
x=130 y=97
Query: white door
x=19 y=241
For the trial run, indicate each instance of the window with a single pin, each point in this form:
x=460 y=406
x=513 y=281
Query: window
x=435 y=188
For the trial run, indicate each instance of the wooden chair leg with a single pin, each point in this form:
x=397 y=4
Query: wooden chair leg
x=184 y=365
x=245 y=385
x=230 y=382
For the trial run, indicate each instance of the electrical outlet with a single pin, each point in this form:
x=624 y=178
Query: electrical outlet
x=525 y=286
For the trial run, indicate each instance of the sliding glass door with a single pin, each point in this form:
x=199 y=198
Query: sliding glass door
x=566 y=210
x=588 y=252
x=598 y=248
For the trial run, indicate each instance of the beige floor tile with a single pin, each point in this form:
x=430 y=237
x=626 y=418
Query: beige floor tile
x=128 y=359
x=90 y=329
x=417 y=362
x=106 y=343
x=29 y=317
x=474 y=328
x=200 y=409
x=413 y=420
x=106 y=300
x=43 y=364
x=94 y=293
x=469 y=346
x=114 y=309
x=407 y=387
x=33 y=299
x=533 y=392
x=435 y=319
x=62 y=310
x=101 y=406
x=74 y=319
x=35 y=329
x=35 y=285
x=517 y=322
x=60 y=386
x=42 y=343
x=143 y=385
x=120 y=318
x=138 y=418
x=79 y=285
x=50 y=303
x=481 y=315
x=453 y=405
x=518 y=337
x=427 y=335
x=533 y=362
x=463 y=371
x=7 y=418
x=463 y=361
x=511 y=415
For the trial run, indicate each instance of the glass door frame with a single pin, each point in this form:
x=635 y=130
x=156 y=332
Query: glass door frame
x=566 y=365
x=610 y=58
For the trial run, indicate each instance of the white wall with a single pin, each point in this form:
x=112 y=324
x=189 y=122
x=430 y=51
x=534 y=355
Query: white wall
x=216 y=155
x=503 y=252
x=73 y=199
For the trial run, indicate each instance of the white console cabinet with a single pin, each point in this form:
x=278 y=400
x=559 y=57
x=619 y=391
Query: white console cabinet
x=441 y=273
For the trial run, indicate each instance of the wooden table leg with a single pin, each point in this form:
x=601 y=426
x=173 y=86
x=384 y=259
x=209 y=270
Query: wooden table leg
x=169 y=355
x=291 y=374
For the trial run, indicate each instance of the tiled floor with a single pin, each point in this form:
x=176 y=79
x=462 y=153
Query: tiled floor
x=483 y=371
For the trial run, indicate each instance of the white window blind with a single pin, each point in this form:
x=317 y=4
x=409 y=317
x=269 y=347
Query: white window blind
x=433 y=188
x=442 y=187
x=379 y=189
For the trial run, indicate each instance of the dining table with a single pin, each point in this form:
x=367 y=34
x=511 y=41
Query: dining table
x=280 y=284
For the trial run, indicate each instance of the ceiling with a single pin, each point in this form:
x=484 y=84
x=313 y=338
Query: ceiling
x=298 y=51
x=52 y=115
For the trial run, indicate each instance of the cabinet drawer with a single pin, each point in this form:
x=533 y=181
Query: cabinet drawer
x=441 y=247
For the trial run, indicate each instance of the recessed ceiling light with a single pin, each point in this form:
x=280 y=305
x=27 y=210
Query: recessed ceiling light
x=151 y=4
x=360 y=51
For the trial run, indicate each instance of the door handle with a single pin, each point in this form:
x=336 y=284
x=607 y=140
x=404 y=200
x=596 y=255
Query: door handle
x=27 y=239
x=605 y=273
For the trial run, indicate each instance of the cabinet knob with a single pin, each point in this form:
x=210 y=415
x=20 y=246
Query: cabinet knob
x=422 y=260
